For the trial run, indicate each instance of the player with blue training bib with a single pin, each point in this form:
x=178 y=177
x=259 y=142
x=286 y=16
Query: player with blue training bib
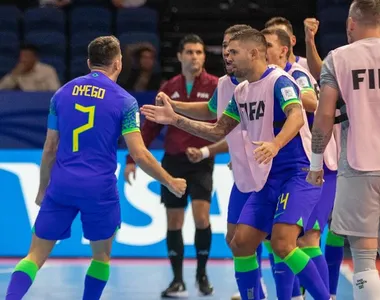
x=78 y=166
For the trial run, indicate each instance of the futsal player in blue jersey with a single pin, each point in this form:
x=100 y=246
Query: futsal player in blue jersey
x=283 y=205
x=78 y=166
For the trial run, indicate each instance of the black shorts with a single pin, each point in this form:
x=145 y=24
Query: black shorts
x=198 y=177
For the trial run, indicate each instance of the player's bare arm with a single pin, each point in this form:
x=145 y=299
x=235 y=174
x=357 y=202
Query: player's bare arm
x=314 y=61
x=47 y=162
x=149 y=164
x=196 y=155
x=48 y=157
x=294 y=122
x=212 y=132
x=195 y=110
x=166 y=115
x=324 y=119
x=309 y=100
x=266 y=151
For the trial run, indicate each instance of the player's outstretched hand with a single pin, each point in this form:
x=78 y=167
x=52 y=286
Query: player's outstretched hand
x=315 y=177
x=265 y=151
x=177 y=186
x=130 y=169
x=194 y=154
x=160 y=114
x=311 y=27
x=160 y=101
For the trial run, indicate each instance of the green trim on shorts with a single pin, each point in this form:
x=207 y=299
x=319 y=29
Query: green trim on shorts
x=300 y=222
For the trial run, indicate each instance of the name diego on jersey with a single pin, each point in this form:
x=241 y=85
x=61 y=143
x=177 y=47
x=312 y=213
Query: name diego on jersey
x=88 y=91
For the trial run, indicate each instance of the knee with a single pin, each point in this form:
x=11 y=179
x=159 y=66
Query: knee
x=282 y=247
x=310 y=239
x=175 y=221
x=202 y=222
x=240 y=246
x=229 y=237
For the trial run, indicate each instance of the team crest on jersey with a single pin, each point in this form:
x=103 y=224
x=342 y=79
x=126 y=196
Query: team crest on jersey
x=288 y=93
x=303 y=82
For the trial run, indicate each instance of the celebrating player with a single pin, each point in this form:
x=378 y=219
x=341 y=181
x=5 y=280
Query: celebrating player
x=235 y=141
x=270 y=110
x=349 y=72
x=278 y=44
x=78 y=166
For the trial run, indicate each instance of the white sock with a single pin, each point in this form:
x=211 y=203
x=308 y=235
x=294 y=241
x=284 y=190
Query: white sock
x=297 y=298
x=366 y=285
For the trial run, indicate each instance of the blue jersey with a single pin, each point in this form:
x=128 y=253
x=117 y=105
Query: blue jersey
x=292 y=157
x=90 y=113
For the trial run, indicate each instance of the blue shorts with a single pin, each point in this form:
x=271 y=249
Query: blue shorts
x=289 y=201
x=236 y=204
x=100 y=219
x=322 y=211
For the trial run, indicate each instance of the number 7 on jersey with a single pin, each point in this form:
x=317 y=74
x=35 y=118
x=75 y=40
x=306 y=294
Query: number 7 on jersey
x=90 y=110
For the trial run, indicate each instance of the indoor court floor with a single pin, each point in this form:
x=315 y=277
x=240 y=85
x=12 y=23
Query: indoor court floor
x=62 y=279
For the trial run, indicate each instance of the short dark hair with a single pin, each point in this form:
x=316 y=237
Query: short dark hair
x=252 y=35
x=279 y=21
x=190 y=39
x=282 y=36
x=236 y=28
x=29 y=47
x=366 y=12
x=103 y=50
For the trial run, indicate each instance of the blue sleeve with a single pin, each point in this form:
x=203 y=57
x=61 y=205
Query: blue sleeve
x=131 y=116
x=286 y=92
x=213 y=102
x=303 y=80
x=232 y=110
x=52 y=117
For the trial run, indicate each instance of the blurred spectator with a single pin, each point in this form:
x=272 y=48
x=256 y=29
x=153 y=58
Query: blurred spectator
x=58 y=3
x=30 y=74
x=138 y=69
x=128 y=3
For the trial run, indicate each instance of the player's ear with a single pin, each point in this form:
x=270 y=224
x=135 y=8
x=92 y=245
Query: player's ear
x=293 y=40
x=179 y=56
x=350 y=24
x=88 y=64
x=284 y=51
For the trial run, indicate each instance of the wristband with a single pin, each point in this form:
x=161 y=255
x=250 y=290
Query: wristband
x=316 y=162
x=205 y=152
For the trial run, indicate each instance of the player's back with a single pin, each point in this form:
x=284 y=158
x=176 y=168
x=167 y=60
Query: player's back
x=89 y=112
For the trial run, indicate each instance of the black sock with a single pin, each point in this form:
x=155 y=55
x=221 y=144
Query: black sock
x=202 y=245
x=174 y=242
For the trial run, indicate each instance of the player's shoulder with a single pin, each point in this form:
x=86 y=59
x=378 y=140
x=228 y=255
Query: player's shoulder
x=226 y=79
